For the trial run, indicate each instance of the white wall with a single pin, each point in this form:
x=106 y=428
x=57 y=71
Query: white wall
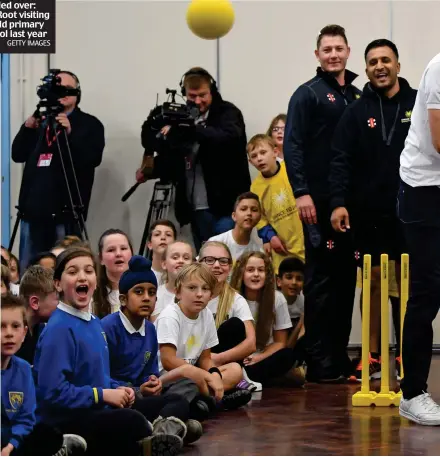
x=125 y=52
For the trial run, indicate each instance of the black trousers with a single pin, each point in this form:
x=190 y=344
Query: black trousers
x=419 y=210
x=329 y=288
x=230 y=334
x=163 y=405
x=43 y=440
x=110 y=431
x=277 y=364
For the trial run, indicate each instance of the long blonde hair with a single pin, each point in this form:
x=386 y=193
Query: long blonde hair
x=266 y=301
x=227 y=293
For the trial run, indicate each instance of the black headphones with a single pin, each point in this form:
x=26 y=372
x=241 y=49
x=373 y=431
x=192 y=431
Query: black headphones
x=78 y=85
x=199 y=72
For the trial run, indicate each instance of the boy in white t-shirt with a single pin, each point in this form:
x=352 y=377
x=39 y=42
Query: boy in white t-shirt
x=162 y=233
x=186 y=333
x=290 y=281
x=242 y=238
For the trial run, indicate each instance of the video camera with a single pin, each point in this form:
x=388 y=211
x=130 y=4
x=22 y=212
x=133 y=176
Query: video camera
x=173 y=113
x=49 y=94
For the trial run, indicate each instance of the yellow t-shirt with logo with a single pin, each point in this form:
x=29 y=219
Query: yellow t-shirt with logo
x=393 y=288
x=279 y=209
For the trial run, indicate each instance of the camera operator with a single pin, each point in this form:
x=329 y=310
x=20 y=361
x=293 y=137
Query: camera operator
x=45 y=207
x=207 y=162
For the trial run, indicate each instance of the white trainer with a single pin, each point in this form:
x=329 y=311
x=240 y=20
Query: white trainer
x=259 y=386
x=421 y=409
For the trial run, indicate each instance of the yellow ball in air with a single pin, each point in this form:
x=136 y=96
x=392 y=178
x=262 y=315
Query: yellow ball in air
x=210 y=19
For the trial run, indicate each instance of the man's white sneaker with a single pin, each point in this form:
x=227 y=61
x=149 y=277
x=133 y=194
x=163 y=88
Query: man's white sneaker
x=421 y=409
x=259 y=386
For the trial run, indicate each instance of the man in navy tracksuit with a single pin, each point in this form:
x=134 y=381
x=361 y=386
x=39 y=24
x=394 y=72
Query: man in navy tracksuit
x=330 y=273
x=364 y=172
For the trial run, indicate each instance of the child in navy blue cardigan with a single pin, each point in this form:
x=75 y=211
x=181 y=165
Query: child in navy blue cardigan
x=75 y=392
x=21 y=435
x=133 y=347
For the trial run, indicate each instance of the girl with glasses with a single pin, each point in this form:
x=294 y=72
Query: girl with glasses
x=233 y=318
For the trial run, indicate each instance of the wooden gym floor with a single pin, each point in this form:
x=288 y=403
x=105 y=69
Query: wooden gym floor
x=317 y=420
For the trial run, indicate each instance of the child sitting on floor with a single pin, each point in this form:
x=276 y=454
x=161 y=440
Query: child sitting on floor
x=115 y=250
x=290 y=281
x=233 y=318
x=176 y=255
x=133 y=351
x=254 y=277
x=37 y=289
x=20 y=433
x=75 y=392
x=162 y=233
x=186 y=333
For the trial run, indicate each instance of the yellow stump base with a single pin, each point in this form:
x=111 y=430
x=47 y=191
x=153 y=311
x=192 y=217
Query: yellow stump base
x=376 y=399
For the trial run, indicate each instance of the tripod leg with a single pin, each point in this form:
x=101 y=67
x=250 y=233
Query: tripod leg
x=146 y=230
x=14 y=233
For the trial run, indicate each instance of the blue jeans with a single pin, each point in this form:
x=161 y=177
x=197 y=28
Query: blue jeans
x=204 y=225
x=36 y=237
x=418 y=209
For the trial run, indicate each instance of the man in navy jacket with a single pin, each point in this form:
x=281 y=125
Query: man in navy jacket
x=364 y=172
x=330 y=274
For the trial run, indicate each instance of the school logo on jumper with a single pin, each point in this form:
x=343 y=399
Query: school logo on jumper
x=330 y=244
x=16 y=399
x=331 y=97
x=371 y=122
x=356 y=96
x=407 y=117
x=147 y=356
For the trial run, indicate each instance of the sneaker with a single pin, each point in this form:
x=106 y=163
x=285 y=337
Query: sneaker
x=194 y=431
x=421 y=409
x=244 y=385
x=375 y=370
x=236 y=398
x=258 y=386
x=72 y=445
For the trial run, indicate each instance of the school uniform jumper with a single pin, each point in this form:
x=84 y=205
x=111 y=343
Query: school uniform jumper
x=133 y=359
x=72 y=369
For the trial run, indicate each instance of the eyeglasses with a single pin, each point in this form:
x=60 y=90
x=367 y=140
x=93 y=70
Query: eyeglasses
x=277 y=129
x=223 y=261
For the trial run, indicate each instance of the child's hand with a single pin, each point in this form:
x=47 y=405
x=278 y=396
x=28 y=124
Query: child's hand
x=7 y=449
x=267 y=248
x=131 y=395
x=152 y=387
x=278 y=246
x=215 y=384
x=252 y=359
x=119 y=398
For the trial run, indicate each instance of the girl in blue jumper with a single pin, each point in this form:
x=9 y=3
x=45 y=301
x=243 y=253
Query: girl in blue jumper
x=74 y=390
x=133 y=347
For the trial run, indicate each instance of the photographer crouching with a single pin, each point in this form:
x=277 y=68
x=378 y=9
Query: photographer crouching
x=205 y=160
x=61 y=146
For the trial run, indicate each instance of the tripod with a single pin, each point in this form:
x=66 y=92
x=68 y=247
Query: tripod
x=75 y=210
x=159 y=206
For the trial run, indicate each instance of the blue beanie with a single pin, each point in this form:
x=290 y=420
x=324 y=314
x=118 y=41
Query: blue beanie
x=139 y=271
